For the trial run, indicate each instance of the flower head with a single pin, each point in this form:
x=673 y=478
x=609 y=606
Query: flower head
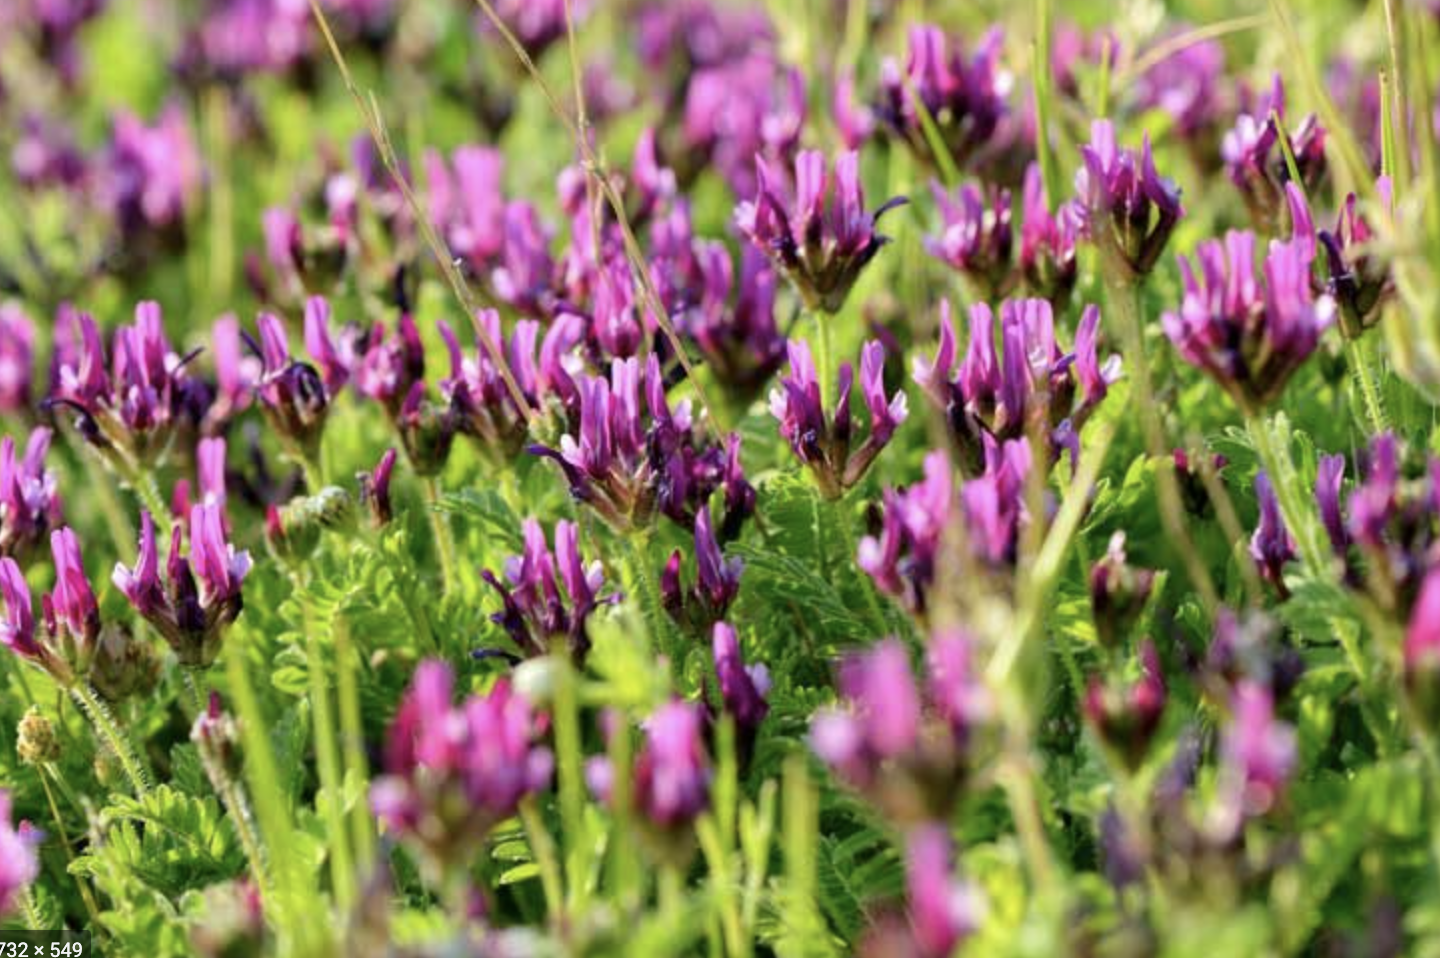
x=1249 y=333
x=1257 y=756
x=198 y=596
x=1272 y=545
x=633 y=457
x=452 y=772
x=903 y=744
x=19 y=857
x=965 y=100
x=375 y=488
x=823 y=442
x=1125 y=716
x=292 y=393
x=1360 y=280
x=1257 y=164
x=129 y=411
x=976 y=239
x=1422 y=648
x=672 y=771
x=742 y=688
x=1047 y=242
x=819 y=235
x=944 y=909
x=733 y=321
x=1125 y=207
x=71 y=614
x=1118 y=592
x=17 y=358
x=29 y=499
x=536 y=612
x=717 y=581
x=990 y=395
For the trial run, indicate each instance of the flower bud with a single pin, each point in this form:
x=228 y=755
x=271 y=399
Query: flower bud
x=35 y=739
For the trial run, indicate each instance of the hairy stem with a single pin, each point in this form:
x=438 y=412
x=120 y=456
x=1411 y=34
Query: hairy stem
x=103 y=721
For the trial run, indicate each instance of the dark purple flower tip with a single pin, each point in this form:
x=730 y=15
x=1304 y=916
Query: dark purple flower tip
x=1330 y=475
x=17 y=358
x=375 y=488
x=1272 y=545
x=1360 y=281
x=742 y=689
x=901 y=561
x=29 y=496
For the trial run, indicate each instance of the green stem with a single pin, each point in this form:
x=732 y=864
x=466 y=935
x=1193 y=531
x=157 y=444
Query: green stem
x=148 y=491
x=1124 y=297
x=232 y=795
x=841 y=516
x=542 y=845
x=823 y=359
x=352 y=731
x=1299 y=520
x=43 y=772
x=444 y=539
x=327 y=748
x=103 y=721
x=121 y=533
x=1369 y=389
x=569 y=759
x=272 y=814
x=194 y=680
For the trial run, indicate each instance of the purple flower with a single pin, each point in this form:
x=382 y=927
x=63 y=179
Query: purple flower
x=1330 y=475
x=1360 y=281
x=901 y=744
x=127 y=413
x=1118 y=592
x=524 y=277
x=819 y=238
x=1421 y=650
x=987 y=398
x=1257 y=757
x=975 y=240
x=199 y=595
x=17 y=632
x=235 y=373
x=993 y=504
x=1124 y=205
x=740 y=109
x=29 y=498
x=742 y=688
x=854 y=121
x=291 y=392
x=1047 y=242
x=1249 y=335
x=902 y=560
x=391 y=366
x=965 y=100
x=536 y=612
x=151 y=176
x=19 y=859
x=1186 y=85
x=823 y=443
x=738 y=337
x=248 y=36
x=17 y=358
x=672 y=771
x=1272 y=545
x=944 y=910
x=71 y=614
x=467 y=201
x=629 y=462
x=1257 y=165
x=1125 y=716
x=718 y=580
x=336 y=357
x=535 y=23
x=452 y=772
x=375 y=488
